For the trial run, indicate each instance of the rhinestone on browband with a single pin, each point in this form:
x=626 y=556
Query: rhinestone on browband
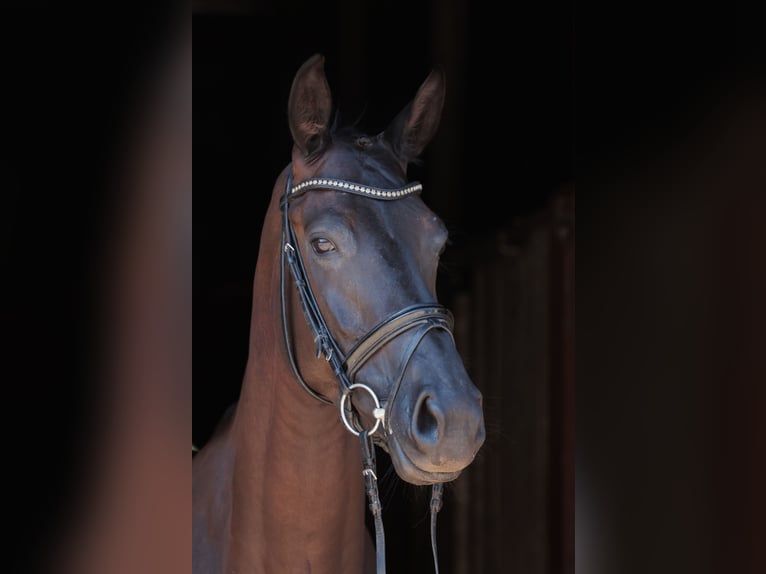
x=359 y=189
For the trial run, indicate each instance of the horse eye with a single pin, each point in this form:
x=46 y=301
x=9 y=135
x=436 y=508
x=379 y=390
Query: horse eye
x=322 y=245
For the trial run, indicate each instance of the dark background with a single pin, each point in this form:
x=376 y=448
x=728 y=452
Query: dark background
x=77 y=80
x=499 y=173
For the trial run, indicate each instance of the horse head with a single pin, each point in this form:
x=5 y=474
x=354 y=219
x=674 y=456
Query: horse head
x=368 y=249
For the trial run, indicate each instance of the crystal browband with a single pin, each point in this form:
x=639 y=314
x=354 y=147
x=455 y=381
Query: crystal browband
x=356 y=188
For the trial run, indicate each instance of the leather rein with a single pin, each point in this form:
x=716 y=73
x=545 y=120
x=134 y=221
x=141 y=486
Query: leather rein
x=420 y=318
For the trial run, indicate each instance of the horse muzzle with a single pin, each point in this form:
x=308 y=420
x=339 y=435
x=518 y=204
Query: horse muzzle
x=437 y=435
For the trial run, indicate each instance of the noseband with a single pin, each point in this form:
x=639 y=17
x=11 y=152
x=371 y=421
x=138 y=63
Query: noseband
x=420 y=318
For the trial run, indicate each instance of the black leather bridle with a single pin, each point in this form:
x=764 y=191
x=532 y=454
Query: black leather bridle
x=420 y=318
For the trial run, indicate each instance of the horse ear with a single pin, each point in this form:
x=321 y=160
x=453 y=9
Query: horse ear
x=416 y=124
x=310 y=106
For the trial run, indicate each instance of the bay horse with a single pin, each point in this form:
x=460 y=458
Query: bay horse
x=348 y=345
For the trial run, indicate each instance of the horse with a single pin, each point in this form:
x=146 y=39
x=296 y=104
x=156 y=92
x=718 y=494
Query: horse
x=349 y=348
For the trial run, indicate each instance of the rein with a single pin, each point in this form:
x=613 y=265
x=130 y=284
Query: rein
x=423 y=318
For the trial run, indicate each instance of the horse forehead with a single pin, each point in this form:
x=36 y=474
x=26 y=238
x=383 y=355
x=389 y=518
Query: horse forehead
x=373 y=217
x=374 y=165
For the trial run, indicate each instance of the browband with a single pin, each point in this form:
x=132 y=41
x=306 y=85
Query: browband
x=355 y=188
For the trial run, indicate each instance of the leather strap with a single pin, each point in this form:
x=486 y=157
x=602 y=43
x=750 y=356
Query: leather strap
x=401 y=321
x=436 y=505
x=371 y=486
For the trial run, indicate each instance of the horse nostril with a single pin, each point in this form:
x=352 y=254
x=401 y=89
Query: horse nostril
x=427 y=421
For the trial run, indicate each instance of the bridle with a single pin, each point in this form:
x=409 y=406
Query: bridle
x=420 y=318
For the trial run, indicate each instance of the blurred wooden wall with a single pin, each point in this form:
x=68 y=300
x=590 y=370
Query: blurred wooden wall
x=514 y=507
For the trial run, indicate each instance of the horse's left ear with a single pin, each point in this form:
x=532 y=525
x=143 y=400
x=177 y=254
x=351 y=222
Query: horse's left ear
x=416 y=124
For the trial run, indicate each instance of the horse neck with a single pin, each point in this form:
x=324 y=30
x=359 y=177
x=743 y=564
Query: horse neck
x=298 y=499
